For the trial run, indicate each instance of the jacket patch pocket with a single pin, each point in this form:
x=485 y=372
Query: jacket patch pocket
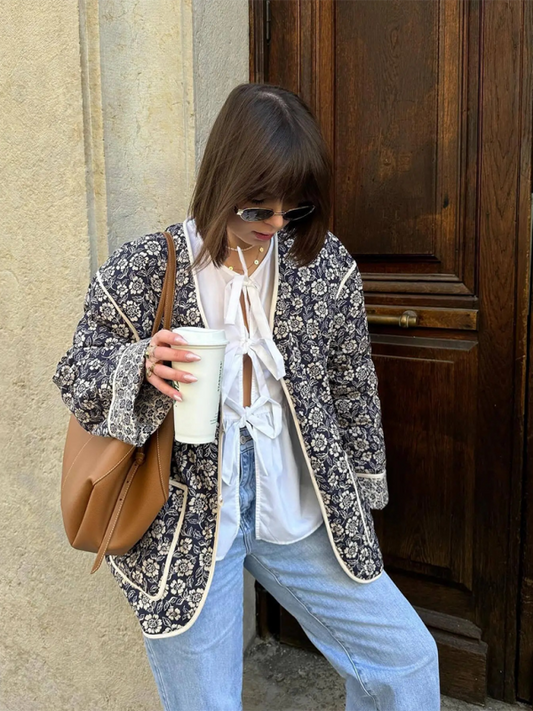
x=146 y=566
x=374 y=489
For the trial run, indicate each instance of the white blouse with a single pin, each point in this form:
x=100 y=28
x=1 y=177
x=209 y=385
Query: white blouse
x=286 y=506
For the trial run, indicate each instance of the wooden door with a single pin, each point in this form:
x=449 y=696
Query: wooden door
x=427 y=108
x=525 y=626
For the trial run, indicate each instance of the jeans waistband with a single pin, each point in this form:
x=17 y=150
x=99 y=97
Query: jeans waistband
x=245 y=435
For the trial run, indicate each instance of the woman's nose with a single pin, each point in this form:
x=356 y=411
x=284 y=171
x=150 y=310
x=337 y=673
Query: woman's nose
x=276 y=222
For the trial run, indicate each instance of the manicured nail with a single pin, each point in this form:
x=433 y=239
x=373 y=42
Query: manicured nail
x=192 y=356
x=179 y=339
x=190 y=378
x=177 y=396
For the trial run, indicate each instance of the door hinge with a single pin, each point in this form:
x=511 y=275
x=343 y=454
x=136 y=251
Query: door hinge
x=267 y=20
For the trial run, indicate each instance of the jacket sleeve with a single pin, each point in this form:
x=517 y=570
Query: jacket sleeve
x=354 y=388
x=101 y=377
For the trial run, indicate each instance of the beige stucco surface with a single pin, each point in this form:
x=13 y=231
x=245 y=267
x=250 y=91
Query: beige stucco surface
x=98 y=145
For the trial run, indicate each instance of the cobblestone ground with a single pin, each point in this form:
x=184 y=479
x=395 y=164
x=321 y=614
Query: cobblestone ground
x=282 y=678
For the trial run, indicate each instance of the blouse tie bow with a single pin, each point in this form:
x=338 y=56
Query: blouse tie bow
x=264 y=417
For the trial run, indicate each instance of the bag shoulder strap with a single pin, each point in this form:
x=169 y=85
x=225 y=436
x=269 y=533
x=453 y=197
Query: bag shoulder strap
x=166 y=302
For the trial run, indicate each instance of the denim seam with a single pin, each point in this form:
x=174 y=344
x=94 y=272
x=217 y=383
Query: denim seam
x=161 y=680
x=323 y=625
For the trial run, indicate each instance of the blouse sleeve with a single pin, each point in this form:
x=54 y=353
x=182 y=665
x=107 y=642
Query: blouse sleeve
x=354 y=387
x=101 y=377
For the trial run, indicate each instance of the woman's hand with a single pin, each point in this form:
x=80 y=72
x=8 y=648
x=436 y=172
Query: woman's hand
x=158 y=374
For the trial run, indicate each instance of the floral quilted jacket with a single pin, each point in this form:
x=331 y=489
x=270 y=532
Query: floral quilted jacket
x=318 y=320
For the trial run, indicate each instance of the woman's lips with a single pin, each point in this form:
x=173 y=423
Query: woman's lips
x=262 y=235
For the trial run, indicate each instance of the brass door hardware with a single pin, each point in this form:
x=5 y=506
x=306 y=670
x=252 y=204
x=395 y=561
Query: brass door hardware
x=408 y=319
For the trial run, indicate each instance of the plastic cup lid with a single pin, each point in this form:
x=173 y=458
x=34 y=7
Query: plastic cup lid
x=202 y=336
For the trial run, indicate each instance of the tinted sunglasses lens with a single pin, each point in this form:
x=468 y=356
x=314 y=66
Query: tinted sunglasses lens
x=299 y=212
x=256 y=214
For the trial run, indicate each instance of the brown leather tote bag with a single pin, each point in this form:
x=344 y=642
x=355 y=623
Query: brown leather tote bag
x=112 y=491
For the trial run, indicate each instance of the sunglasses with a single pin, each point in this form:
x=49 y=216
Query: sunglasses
x=256 y=214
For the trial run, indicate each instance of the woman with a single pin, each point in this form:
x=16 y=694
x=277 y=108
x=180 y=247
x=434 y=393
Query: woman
x=286 y=490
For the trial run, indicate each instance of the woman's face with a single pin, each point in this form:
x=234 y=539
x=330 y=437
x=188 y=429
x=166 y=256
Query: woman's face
x=243 y=234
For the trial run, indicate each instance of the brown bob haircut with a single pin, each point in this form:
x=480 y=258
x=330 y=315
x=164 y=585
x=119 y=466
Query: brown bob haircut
x=264 y=141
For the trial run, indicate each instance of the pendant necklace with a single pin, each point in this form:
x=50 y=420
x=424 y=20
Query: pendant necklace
x=256 y=261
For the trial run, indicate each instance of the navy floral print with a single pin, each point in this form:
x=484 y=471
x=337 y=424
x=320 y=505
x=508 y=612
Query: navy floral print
x=321 y=330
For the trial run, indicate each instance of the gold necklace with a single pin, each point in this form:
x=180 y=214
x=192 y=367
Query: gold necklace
x=234 y=249
x=256 y=261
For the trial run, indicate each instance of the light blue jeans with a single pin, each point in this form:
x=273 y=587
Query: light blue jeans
x=369 y=632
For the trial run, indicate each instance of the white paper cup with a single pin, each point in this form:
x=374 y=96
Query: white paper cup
x=196 y=416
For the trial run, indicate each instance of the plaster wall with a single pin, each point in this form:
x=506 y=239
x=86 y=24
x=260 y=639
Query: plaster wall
x=221 y=40
x=50 y=604
x=148 y=114
x=99 y=146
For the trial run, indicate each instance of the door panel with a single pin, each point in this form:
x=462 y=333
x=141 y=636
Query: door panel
x=428 y=524
x=424 y=106
x=406 y=61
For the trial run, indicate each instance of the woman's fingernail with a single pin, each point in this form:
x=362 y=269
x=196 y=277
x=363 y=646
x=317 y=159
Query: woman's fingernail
x=189 y=378
x=177 y=396
x=179 y=339
x=192 y=356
